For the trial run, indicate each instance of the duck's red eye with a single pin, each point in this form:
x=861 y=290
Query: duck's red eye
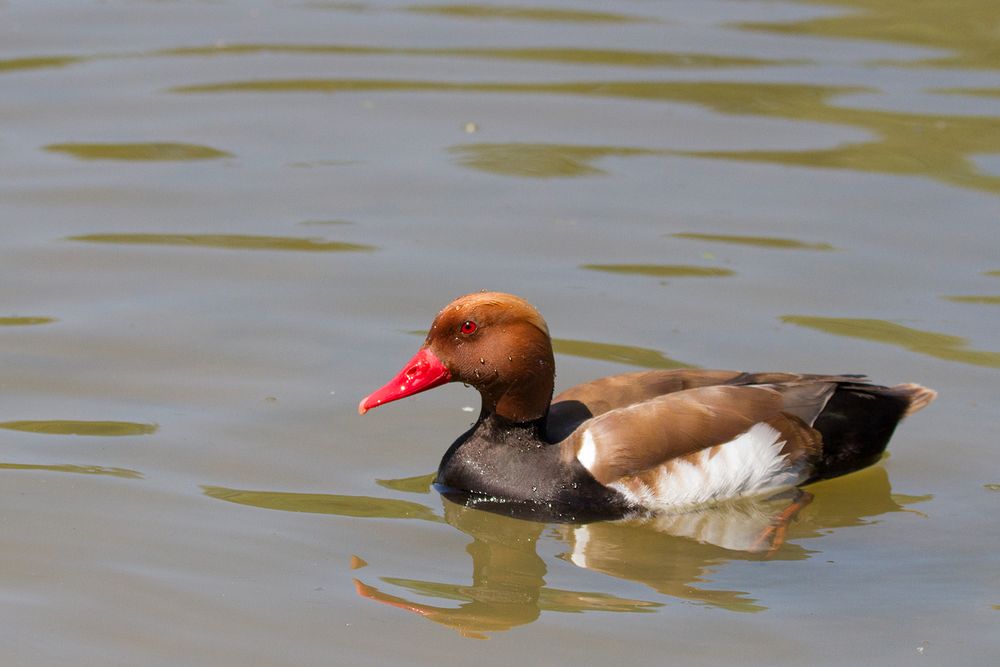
x=468 y=327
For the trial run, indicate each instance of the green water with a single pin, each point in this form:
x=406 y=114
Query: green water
x=224 y=222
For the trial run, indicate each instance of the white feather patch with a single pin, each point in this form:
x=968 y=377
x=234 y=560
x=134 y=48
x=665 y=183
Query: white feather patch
x=581 y=536
x=750 y=464
x=587 y=455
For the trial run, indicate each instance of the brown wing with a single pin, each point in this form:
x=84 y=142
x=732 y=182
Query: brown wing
x=590 y=399
x=618 y=391
x=629 y=440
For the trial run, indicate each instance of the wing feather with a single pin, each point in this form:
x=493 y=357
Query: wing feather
x=629 y=440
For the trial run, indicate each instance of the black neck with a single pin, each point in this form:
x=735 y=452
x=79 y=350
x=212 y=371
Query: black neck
x=497 y=428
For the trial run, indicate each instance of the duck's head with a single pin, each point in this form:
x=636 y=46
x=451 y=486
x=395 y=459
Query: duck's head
x=495 y=342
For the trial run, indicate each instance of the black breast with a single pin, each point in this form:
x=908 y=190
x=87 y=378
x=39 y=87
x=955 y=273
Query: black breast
x=508 y=468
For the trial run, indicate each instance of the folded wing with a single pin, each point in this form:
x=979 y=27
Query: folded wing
x=652 y=435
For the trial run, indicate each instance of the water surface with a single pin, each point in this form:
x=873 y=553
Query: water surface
x=223 y=220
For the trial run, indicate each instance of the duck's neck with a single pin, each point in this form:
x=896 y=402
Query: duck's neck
x=526 y=399
x=493 y=427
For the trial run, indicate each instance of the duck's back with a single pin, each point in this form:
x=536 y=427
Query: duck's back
x=851 y=420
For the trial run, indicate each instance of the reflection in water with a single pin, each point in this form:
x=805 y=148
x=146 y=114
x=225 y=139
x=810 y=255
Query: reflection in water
x=228 y=241
x=337 y=5
x=524 y=13
x=41 y=62
x=974 y=92
x=418 y=484
x=759 y=241
x=564 y=55
x=498 y=610
x=621 y=354
x=75 y=427
x=320 y=223
x=24 y=321
x=967 y=28
x=674 y=555
x=766 y=99
x=139 y=152
x=366 y=507
x=661 y=270
x=937 y=146
x=508 y=581
x=991 y=299
x=941 y=346
x=82 y=470
x=575 y=56
x=539 y=160
x=321 y=163
x=995 y=274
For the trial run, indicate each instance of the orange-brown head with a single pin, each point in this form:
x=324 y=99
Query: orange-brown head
x=496 y=342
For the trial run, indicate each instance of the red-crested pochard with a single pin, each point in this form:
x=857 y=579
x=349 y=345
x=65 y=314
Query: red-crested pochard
x=644 y=441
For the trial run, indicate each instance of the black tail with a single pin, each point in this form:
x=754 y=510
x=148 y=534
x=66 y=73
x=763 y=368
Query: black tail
x=858 y=421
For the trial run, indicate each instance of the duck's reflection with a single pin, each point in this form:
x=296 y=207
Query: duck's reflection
x=508 y=580
x=673 y=555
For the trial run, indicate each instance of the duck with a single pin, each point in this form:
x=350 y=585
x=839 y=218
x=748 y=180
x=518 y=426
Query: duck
x=653 y=441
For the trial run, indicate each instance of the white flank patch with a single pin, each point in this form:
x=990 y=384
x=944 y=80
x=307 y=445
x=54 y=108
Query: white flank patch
x=581 y=536
x=750 y=464
x=587 y=455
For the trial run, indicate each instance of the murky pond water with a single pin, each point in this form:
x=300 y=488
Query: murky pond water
x=225 y=222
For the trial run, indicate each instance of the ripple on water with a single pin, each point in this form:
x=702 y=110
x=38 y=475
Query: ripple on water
x=662 y=270
x=320 y=223
x=564 y=55
x=526 y=13
x=759 y=241
x=324 y=503
x=985 y=299
x=621 y=354
x=227 y=241
x=77 y=427
x=17 y=321
x=139 y=152
x=937 y=146
x=932 y=344
x=75 y=469
x=418 y=484
x=38 y=62
x=530 y=160
x=966 y=30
